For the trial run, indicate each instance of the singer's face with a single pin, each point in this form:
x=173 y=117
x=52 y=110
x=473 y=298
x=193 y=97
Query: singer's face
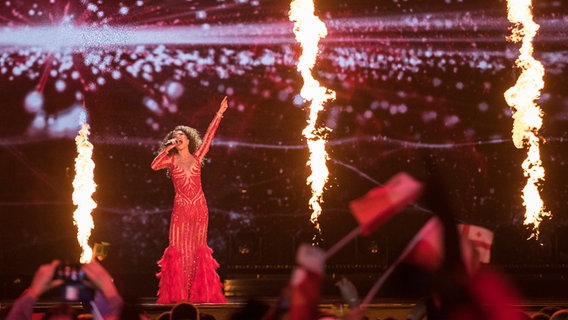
x=180 y=137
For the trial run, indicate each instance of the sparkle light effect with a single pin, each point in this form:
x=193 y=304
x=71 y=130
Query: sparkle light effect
x=84 y=186
x=309 y=29
x=527 y=114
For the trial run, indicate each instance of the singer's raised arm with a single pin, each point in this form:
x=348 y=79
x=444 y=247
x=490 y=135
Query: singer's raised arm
x=210 y=133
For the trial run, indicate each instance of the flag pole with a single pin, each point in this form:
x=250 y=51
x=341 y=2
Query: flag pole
x=373 y=291
x=341 y=243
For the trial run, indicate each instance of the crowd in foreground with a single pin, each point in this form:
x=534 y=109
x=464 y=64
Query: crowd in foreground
x=298 y=301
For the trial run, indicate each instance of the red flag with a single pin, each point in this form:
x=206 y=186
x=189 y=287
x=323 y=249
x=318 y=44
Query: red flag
x=426 y=249
x=306 y=282
x=382 y=203
x=497 y=294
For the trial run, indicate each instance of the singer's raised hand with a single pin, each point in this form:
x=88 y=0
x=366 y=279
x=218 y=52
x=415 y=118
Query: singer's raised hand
x=224 y=106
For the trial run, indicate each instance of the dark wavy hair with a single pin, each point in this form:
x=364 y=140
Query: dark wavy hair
x=192 y=135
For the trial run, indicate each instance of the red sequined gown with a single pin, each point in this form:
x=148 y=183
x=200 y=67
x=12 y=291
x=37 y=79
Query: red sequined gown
x=187 y=267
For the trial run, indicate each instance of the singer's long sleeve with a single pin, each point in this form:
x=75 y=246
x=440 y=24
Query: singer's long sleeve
x=161 y=161
x=209 y=134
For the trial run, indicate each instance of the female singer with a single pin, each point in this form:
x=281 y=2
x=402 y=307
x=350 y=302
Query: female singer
x=187 y=268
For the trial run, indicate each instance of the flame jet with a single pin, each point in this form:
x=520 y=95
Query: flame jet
x=309 y=29
x=84 y=186
x=527 y=114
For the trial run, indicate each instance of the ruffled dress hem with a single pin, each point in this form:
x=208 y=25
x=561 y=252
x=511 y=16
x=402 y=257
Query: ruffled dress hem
x=170 y=287
x=206 y=287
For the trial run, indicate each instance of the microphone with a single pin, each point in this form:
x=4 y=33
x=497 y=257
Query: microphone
x=171 y=141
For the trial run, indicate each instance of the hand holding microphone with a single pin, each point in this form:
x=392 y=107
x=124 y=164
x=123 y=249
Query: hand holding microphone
x=172 y=142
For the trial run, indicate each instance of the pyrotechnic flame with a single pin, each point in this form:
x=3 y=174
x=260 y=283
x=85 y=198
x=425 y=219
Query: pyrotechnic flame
x=84 y=186
x=309 y=29
x=527 y=114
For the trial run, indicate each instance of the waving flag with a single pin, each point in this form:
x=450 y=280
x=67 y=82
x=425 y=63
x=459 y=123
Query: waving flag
x=382 y=203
